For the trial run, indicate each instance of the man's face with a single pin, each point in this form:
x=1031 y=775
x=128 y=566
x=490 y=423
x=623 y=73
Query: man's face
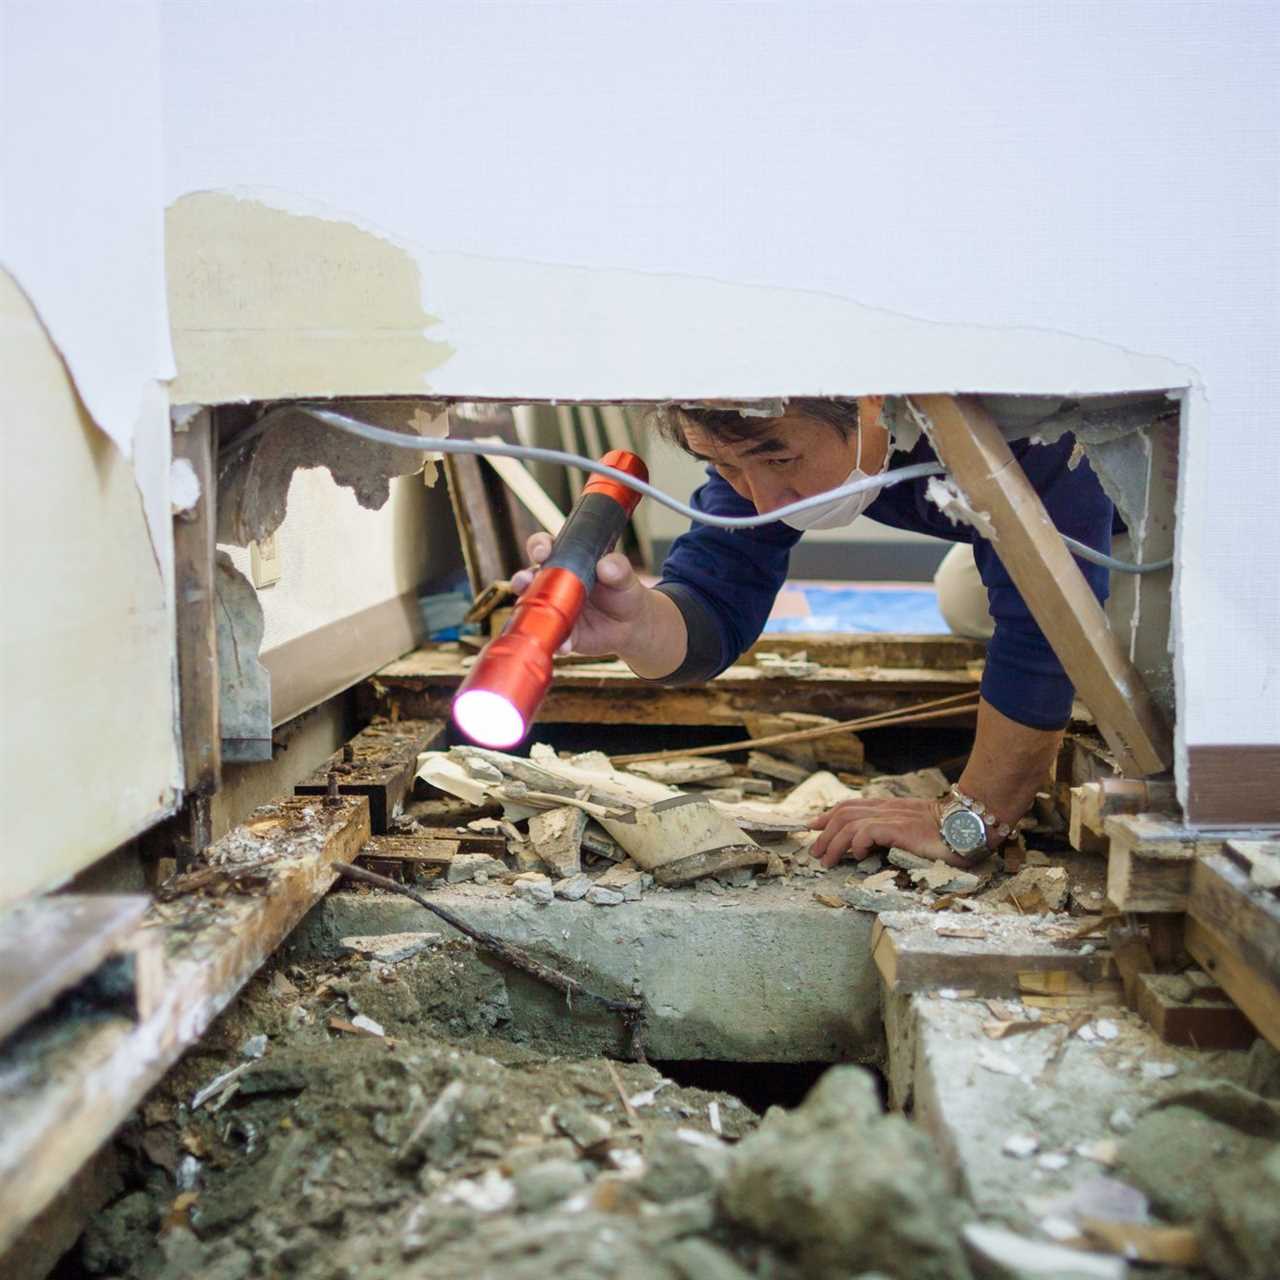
x=790 y=458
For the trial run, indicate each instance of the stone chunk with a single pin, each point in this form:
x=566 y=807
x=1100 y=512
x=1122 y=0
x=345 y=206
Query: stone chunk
x=466 y=866
x=548 y=1183
x=534 y=888
x=846 y=1187
x=390 y=948
x=574 y=888
x=556 y=836
x=599 y=897
x=579 y=1125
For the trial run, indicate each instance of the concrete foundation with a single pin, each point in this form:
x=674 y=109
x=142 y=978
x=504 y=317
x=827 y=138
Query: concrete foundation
x=1076 y=1098
x=760 y=975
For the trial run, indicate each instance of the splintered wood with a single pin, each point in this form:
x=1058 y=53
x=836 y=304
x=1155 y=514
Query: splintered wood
x=76 y=1086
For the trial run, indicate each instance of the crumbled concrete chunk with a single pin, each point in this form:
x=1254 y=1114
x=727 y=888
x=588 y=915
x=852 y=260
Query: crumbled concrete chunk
x=466 y=866
x=254 y=1046
x=574 y=888
x=390 y=948
x=847 y=1187
x=535 y=888
x=579 y=1125
x=548 y=1183
x=908 y=861
x=599 y=897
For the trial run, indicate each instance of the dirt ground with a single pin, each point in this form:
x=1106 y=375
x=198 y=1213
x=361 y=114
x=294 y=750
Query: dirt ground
x=441 y=1148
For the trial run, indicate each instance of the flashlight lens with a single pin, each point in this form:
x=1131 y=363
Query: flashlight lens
x=488 y=718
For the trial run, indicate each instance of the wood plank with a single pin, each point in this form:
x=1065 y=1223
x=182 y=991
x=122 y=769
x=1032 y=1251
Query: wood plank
x=65 y=1089
x=1247 y=918
x=517 y=477
x=49 y=944
x=1150 y=861
x=430 y=851
x=969 y=443
x=1092 y=803
x=422 y=685
x=1257 y=998
x=379 y=763
x=1207 y=1021
x=913 y=956
x=195 y=599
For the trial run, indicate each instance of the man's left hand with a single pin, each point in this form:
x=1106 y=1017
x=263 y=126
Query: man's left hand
x=855 y=828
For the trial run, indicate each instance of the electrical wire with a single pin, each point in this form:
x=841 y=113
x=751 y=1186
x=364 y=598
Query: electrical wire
x=532 y=453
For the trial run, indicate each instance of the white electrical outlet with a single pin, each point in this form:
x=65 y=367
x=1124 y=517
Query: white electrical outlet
x=264 y=561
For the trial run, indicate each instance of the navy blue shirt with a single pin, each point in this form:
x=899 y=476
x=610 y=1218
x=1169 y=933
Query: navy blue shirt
x=725 y=580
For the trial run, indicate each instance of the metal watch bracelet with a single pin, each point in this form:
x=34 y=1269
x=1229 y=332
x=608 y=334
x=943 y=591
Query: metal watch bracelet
x=1001 y=831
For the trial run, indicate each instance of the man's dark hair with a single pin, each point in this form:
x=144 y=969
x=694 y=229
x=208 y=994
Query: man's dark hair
x=730 y=425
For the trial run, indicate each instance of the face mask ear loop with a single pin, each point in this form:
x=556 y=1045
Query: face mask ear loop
x=857 y=461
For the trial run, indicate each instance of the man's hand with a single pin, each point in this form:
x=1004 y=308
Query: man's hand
x=856 y=828
x=623 y=616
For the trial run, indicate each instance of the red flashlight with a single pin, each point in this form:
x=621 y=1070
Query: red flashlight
x=498 y=700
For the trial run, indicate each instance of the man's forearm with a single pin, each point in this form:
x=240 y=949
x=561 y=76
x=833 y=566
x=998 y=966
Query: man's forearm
x=1009 y=763
x=660 y=643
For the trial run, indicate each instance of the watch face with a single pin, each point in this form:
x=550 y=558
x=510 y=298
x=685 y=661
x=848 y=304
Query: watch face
x=964 y=831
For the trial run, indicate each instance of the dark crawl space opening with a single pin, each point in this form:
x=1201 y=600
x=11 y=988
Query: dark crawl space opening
x=760 y=1085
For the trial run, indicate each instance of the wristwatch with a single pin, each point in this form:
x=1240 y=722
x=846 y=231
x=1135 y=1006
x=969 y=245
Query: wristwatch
x=968 y=829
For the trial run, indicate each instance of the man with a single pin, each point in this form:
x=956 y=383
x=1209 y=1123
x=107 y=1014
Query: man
x=718 y=586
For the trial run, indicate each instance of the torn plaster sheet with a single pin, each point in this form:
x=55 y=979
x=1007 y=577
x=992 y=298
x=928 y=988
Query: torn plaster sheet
x=184 y=487
x=946 y=496
x=254 y=482
x=88 y=247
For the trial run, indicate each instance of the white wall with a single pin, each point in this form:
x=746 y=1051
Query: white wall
x=1020 y=196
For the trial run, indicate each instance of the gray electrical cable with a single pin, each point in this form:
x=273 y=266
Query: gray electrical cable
x=531 y=453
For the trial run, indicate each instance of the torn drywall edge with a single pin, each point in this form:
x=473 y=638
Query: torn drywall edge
x=88 y=249
x=522 y=331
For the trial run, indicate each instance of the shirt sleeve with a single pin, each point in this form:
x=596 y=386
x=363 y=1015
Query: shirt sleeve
x=723 y=581
x=1023 y=678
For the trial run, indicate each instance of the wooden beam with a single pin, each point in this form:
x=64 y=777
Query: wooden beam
x=970 y=445
x=49 y=944
x=212 y=929
x=1150 y=860
x=379 y=763
x=423 y=683
x=912 y=955
x=1233 y=931
x=194 y=441
x=1208 y=1020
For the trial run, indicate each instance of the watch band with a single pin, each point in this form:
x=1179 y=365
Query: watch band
x=1001 y=831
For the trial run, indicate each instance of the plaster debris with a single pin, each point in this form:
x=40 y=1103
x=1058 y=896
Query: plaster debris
x=184 y=487
x=1159 y=1070
x=1004 y=1254
x=254 y=1046
x=1021 y=1145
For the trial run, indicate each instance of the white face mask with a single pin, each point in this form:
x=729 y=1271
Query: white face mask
x=839 y=511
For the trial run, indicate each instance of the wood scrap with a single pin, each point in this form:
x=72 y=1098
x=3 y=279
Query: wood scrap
x=772 y=767
x=682 y=772
x=1145 y=1242
x=1033 y=891
x=1198 y=1017
x=1150 y=861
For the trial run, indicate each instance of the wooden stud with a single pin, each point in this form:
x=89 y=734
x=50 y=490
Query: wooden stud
x=379 y=762
x=1092 y=803
x=193 y=559
x=970 y=445
x=211 y=938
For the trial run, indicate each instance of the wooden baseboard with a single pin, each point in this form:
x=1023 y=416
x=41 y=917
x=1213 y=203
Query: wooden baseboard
x=1234 y=785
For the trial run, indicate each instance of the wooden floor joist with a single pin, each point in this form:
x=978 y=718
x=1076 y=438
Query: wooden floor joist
x=859 y=675
x=378 y=763
x=1010 y=513
x=64 y=1089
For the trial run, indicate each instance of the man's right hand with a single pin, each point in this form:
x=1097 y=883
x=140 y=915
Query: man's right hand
x=623 y=616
